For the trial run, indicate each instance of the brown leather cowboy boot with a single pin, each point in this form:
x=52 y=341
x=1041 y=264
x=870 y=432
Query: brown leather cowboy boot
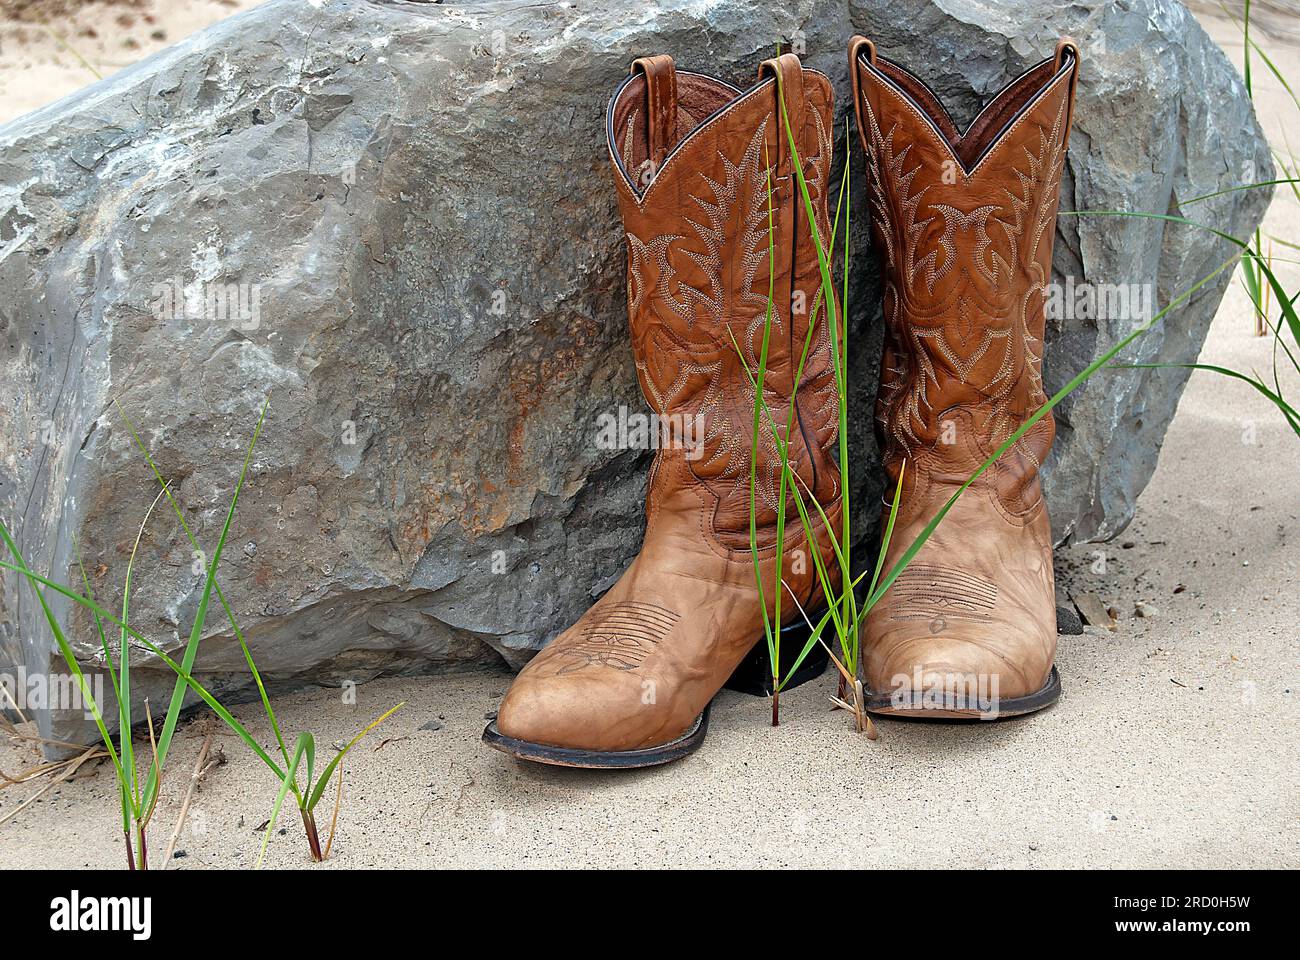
x=964 y=223
x=629 y=684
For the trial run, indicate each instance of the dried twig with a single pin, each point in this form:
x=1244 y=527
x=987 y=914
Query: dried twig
x=153 y=745
x=35 y=738
x=334 y=820
x=25 y=736
x=70 y=767
x=195 y=776
x=33 y=773
x=9 y=727
x=860 y=716
x=865 y=723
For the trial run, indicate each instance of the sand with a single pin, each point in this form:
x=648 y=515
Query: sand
x=51 y=48
x=1174 y=744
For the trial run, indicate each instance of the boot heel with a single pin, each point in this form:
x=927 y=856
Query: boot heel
x=754 y=675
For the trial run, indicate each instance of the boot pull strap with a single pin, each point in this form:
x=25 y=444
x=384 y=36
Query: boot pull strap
x=661 y=104
x=1064 y=46
x=857 y=45
x=788 y=72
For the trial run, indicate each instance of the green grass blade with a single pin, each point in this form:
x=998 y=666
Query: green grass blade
x=1285 y=301
x=216 y=585
x=823 y=574
x=1250 y=280
x=769 y=633
x=783 y=454
x=130 y=810
x=324 y=780
x=1024 y=428
x=157 y=651
x=1239 y=188
x=809 y=532
x=839 y=362
x=200 y=617
x=299 y=749
x=1288 y=411
x=65 y=649
x=99 y=624
x=813 y=638
x=1252 y=45
x=1273 y=69
x=888 y=536
x=1290 y=168
x=310 y=742
x=1245 y=52
x=845 y=628
x=126 y=747
x=823 y=262
x=851 y=607
x=819 y=565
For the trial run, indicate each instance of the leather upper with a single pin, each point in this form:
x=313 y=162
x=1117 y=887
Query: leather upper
x=964 y=226
x=695 y=214
x=692 y=159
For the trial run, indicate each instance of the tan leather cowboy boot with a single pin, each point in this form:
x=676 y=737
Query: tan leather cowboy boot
x=964 y=223
x=629 y=684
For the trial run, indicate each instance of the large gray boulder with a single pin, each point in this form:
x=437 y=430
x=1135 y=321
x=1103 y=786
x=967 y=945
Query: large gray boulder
x=396 y=219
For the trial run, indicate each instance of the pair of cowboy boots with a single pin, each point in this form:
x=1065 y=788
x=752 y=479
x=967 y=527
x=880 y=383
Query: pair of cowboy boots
x=964 y=224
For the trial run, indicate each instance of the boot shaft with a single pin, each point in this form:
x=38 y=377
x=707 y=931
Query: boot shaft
x=964 y=223
x=705 y=180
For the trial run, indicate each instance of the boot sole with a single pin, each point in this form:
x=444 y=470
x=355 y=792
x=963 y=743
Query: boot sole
x=683 y=746
x=883 y=704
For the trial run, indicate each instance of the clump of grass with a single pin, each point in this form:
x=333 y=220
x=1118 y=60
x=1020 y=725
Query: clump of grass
x=1254 y=265
x=305 y=747
x=138 y=804
x=138 y=797
x=837 y=584
x=1265 y=290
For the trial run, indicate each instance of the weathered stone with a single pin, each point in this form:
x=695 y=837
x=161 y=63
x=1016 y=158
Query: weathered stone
x=395 y=219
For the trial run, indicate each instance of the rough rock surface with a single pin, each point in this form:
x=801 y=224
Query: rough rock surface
x=404 y=209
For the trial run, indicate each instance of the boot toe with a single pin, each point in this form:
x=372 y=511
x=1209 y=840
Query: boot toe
x=531 y=712
x=950 y=675
x=605 y=714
